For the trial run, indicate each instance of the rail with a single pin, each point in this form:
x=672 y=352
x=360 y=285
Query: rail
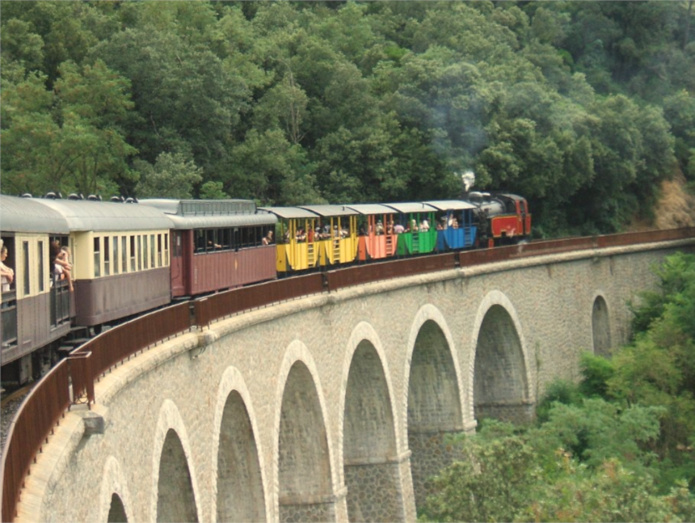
x=51 y=397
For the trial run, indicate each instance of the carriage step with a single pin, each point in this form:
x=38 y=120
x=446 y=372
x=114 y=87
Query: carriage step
x=76 y=342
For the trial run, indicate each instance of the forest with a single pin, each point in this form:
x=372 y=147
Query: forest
x=617 y=446
x=582 y=107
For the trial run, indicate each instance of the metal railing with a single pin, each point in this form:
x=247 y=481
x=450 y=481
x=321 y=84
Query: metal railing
x=50 y=398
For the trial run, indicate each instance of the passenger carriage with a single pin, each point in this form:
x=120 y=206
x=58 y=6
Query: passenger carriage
x=377 y=239
x=295 y=250
x=35 y=309
x=335 y=234
x=455 y=224
x=217 y=244
x=314 y=236
x=414 y=239
x=120 y=256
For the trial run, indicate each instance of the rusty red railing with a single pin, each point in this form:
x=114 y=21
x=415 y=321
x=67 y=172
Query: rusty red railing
x=50 y=399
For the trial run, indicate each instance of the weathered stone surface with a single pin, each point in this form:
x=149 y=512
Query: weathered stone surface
x=271 y=397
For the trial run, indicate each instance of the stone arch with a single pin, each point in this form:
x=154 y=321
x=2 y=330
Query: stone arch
x=501 y=371
x=601 y=326
x=304 y=456
x=434 y=398
x=371 y=463
x=174 y=481
x=236 y=457
x=114 y=495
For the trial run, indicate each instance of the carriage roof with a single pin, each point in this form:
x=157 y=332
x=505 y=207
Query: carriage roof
x=451 y=205
x=26 y=215
x=87 y=215
x=289 y=213
x=407 y=207
x=372 y=208
x=330 y=210
x=209 y=214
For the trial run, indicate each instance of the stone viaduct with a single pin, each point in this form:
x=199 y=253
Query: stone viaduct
x=333 y=407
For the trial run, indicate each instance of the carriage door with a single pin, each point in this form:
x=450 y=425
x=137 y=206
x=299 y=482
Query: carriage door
x=177 y=269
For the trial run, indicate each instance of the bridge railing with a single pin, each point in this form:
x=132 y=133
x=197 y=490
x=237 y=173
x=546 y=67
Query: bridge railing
x=51 y=397
x=36 y=419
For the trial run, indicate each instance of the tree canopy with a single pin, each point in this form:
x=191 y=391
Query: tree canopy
x=582 y=107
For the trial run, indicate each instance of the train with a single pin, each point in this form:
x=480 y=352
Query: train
x=72 y=266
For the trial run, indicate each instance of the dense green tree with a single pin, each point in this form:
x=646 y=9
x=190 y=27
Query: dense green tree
x=359 y=101
x=172 y=176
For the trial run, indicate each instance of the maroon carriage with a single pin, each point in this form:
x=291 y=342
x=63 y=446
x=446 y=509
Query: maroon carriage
x=217 y=244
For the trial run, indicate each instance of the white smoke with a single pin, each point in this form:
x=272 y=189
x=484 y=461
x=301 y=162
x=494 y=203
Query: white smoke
x=468 y=179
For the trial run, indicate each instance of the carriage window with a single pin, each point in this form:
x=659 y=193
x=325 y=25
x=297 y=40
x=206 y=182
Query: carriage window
x=199 y=240
x=166 y=248
x=236 y=238
x=226 y=238
x=41 y=268
x=114 y=241
x=178 y=248
x=152 y=252
x=140 y=255
x=145 y=252
x=211 y=242
x=132 y=253
x=97 y=257
x=124 y=254
x=107 y=258
x=159 y=250
x=27 y=268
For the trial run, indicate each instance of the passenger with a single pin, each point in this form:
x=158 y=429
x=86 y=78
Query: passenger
x=62 y=268
x=389 y=228
x=5 y=271
x=268 y=238
x=454 y=223
x=413 y=225
x=379 y=228
x=425 y=225
x=301 y=235
x=398 y=228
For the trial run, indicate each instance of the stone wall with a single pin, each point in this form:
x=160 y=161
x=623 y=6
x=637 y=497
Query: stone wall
x=396 y=361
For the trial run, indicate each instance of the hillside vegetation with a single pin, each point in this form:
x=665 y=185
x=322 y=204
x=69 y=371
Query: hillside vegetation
x=619 y=446
x=586 y=108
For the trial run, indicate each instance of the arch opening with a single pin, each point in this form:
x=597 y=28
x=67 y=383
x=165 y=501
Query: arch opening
x=175 y=499
x=371 y=467
x=601 y=327
x=500 y=386
x=305 y=488
x=434 y=407
x=116 y=510
x=239 y=482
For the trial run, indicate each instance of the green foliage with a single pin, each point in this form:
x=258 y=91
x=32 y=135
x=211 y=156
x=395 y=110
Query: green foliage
x=494 y=480
x=581 y=107
x=559 y=391
x=172 y=176
x=596 y=371
x=618 y=446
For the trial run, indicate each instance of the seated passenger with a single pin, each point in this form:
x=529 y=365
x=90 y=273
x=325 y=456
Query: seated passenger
x=398 y=228
x=379 y=228
x=425 y=225
x=61 y=263
x=268 y=238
